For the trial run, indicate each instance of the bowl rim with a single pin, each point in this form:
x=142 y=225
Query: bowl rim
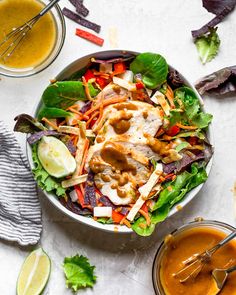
x=31 y=72
x=218 y=225
x=89 y=221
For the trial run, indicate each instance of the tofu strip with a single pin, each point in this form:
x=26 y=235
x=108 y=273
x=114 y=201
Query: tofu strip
x=145 y=191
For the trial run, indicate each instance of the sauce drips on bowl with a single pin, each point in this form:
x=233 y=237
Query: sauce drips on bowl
x=195 y=241
x=40 y=40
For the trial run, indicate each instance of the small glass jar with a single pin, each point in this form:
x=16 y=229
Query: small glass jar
x=59 y=41
x=220 y=226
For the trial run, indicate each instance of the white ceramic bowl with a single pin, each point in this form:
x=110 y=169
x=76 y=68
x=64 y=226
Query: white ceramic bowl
x=67 y=72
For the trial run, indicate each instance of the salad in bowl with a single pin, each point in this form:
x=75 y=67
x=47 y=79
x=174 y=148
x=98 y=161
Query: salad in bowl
x=120 y=141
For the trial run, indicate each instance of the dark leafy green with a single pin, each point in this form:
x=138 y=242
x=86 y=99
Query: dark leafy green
x=64 y=94
x=27 y=124
x=51 y=113
x=191 y=113
x=153 y=68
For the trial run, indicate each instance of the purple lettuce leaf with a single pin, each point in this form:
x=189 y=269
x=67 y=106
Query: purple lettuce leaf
x=216 y=6
x=27 y=124
x=174 y=79
x=220 y=8
x=220 y=82
x=38 y=135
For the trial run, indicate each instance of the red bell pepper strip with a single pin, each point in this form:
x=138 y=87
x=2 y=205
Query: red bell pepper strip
x=117 y=217
x=101 y=82
x=119 y=68
x=145 y=207
x=172 y=131
x=90 y=37
x=88 y=75
x=139 y=85
x=80 y=196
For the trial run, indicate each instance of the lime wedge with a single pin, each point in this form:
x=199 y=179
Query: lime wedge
x=55 y=157
x=34 y=273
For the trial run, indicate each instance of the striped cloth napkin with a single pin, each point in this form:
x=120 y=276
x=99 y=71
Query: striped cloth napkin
x=20 y=212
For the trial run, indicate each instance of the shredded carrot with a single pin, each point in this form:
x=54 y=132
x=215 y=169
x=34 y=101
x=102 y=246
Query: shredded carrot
x=125 y=221
x=160 y=132
x=50 y=123
x=86 y=89
x=166 y=137
x=62 y=123
x=91 y=118
x=85 y=153
x=146 y=216
x=81 y=188
x=75 y=112
x=75 y=140
x=74 y=106
x=106 y=103
x=186 y=127
x=100 y=114
x=170 y=96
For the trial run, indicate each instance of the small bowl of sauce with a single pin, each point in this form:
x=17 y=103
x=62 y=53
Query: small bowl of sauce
x=41 y=45
x=190 y=239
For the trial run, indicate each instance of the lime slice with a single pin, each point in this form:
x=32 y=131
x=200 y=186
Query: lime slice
x=55 y=157
x=34 y=273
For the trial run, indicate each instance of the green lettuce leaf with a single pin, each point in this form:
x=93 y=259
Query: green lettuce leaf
x=64 y=94
x=191 y=113
x=78 y=272
x=44 y=180
x=208 y=46
x=173 y=192
x=51 y=113
x=152 y=66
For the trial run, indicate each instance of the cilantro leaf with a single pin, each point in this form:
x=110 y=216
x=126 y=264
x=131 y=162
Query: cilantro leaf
x=78 y=272
x=208 y=46
x=44 y=180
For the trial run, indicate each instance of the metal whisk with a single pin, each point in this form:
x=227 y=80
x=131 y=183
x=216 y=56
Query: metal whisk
x=13 y=39
x=194 y=264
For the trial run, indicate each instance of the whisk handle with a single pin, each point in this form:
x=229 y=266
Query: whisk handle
x=48 y=7
x=233 y=268
x=222 y=243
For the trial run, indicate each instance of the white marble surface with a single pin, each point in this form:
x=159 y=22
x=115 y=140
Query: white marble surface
x=124 y=262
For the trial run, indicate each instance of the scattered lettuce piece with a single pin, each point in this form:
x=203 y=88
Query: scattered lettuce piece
x=44 y=180
x=220 y=8
x=78 y=272
x=191 y=114
x=27 y=124
x=64 y=94
x=208 y=46
x=220 y=82
x=153 y=68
